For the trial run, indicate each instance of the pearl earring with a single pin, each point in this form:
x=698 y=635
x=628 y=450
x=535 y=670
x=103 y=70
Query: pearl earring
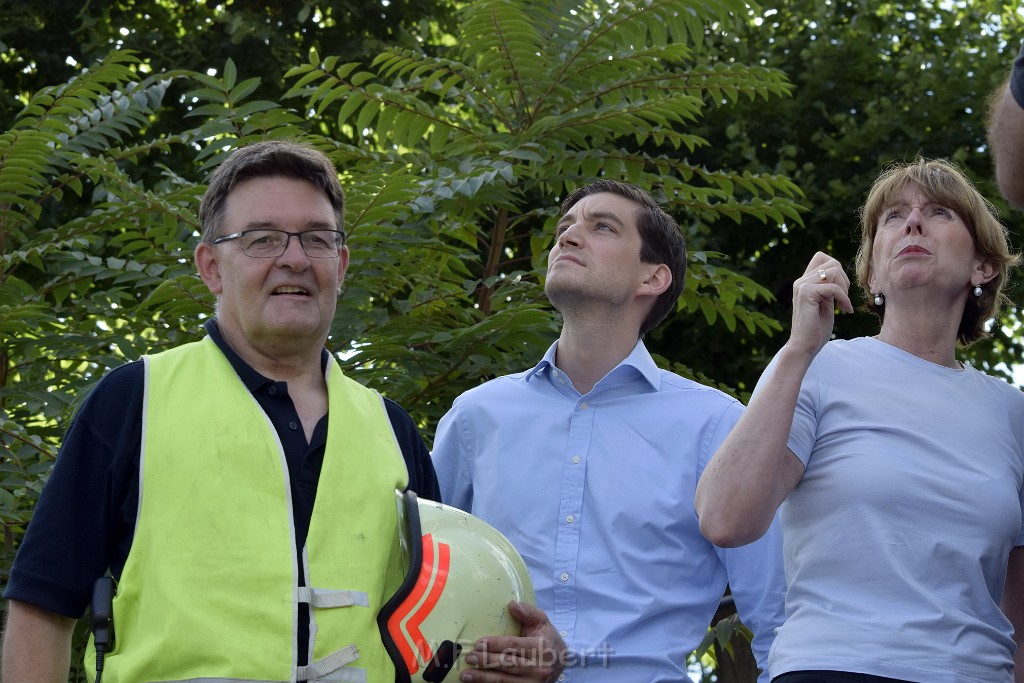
x=977 y=290
x=879 y=300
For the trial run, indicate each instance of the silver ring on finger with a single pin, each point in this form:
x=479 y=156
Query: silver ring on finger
x=822 y=275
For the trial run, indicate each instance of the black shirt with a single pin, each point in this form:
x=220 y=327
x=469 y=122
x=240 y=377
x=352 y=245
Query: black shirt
x=85 y=518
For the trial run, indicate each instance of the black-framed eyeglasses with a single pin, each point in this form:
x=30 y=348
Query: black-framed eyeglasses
x=271 y=243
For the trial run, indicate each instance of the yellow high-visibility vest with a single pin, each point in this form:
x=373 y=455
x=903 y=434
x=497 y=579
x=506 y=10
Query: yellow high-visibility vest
x=210 y=587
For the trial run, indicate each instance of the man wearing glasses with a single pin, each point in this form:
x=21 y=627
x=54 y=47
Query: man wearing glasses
x=205 y=461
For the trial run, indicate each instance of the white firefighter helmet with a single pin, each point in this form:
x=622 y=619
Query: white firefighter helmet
x=461 y=574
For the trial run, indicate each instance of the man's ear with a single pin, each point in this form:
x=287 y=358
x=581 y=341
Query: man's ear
x=658 y=279
x=342 y=266
x=208 y=267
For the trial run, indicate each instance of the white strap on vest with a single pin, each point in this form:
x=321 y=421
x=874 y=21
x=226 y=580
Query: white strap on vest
x=332 y=668
x=324 y=598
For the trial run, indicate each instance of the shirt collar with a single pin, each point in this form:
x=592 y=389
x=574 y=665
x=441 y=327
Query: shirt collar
x=639 y=359
x=252 y=379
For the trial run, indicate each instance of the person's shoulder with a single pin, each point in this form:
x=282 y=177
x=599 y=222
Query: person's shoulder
x=119 y=387
x=838 y=348
x=673 y=382
x=123 y=376
x=394 y=408
x=410 y=440
x=498 y=385
x=856 y=352
x=398 y=416
x=1001 y=388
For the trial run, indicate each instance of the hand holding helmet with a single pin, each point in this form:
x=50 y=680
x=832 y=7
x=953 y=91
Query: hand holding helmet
x=462 y=575
x=537 y=654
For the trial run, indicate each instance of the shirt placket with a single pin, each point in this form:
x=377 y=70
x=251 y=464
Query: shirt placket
x=567 y=540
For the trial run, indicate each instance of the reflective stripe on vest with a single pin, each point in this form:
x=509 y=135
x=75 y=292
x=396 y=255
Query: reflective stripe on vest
x=209 y=591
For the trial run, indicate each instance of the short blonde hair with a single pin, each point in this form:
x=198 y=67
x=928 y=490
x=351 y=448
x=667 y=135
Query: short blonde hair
x=943 y=183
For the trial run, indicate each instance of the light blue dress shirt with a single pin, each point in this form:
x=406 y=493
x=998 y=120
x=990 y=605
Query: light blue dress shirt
x=596 y=492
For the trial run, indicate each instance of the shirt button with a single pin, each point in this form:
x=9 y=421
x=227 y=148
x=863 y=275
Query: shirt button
x=293 y=426
x=575 y=460
x=561 y=677
x=272 y=390
x=570 y=519
x=563 y=633
x=564 y=577
x=583 y=406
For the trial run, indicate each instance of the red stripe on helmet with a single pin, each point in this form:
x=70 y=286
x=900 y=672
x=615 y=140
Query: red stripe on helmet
x=405 y=622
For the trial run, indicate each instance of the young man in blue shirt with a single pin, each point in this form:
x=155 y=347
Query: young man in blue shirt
x=588 y=462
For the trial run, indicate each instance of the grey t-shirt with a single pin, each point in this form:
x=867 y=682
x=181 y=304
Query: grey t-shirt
x=897 y=536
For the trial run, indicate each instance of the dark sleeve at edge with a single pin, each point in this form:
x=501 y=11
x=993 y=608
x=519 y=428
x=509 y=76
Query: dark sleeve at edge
x=1017 y=78
x=422 y=479
x=83 y=521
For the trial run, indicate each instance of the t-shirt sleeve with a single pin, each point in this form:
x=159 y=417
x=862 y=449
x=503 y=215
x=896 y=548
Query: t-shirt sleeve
x=422 y=479
x=81 y=525
x=803 y=433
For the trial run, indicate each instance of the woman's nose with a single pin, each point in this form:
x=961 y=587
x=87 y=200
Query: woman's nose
x=915 y=220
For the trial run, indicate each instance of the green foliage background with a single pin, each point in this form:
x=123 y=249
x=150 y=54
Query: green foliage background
x=457 y=128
